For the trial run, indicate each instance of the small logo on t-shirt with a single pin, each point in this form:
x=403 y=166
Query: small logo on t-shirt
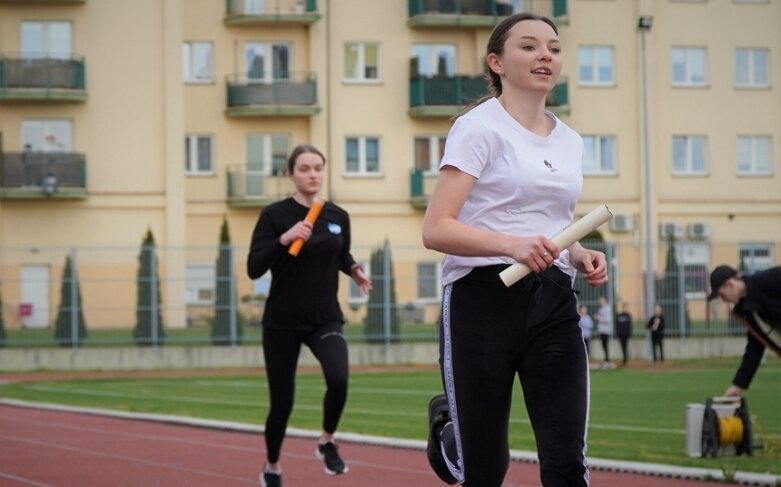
x=549 y=165
x=334 y=228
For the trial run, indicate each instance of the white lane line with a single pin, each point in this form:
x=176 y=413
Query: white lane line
x=23 y=480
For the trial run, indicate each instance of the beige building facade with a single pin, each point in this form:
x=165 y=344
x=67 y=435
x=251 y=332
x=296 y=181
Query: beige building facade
x=118 y=117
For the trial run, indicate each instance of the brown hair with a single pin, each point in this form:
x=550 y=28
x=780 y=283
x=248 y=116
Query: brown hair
x=496 y=46
x=302 y=149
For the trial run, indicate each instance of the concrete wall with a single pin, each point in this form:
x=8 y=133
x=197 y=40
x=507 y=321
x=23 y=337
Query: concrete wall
x=168 y=357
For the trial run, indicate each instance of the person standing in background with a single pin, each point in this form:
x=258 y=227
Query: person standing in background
x=624 y=331
x=302 y=306
x=605 y=328
x=586 y=327
x=656 y=325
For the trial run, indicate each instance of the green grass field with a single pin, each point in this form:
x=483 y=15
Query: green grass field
x=637 y=414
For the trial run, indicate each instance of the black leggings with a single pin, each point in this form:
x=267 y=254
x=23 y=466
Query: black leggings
x=280 y=350
x=489 y=335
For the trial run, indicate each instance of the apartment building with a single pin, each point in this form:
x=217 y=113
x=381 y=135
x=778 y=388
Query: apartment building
x=119 y=117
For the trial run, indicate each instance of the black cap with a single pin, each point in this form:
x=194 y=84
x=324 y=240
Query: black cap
x=717 y=279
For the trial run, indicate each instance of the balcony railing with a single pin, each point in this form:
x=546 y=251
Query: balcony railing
x=477 y=13
x=248 y=188
x=43 y=174
x=42 y=78
x=445 y=96
x=271 y=12
x=252 y=97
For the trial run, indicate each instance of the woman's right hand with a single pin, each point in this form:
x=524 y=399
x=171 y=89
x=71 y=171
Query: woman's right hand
x=538 y=253
x=302 y=230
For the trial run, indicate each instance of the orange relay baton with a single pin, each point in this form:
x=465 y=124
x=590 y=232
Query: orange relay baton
x=311 y=216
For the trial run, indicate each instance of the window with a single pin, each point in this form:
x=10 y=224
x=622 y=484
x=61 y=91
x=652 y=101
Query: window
x=200 y=284
x=198 y=150
x=596 y=65
x=756 y=257
x=197 y=62
x=689 y=66
x=361 y=62
x=753 y=156
x=752 y=68
x=267 y=153
x=428 y=280
x=694 y=264
x=46 y=39
x=356 y=296
x=47 y=135
x=363 y=155
x=428 y=152
x=266 y=61
x=599 y=154
x=434 y=59
x=689 y=155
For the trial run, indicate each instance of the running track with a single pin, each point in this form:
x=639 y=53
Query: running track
x=43 y=447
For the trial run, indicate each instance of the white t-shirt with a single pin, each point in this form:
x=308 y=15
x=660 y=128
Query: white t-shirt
x=526 y=184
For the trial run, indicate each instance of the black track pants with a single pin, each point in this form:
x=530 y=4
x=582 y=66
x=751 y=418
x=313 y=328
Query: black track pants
x=280 y=350
x=489 y=335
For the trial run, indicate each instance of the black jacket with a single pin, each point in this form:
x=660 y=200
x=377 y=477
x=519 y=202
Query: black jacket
x=763 y=296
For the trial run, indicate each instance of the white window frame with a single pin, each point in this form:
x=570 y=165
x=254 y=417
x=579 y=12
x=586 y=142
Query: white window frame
x=47 y=135
x=593 y=56
x=356 y=297
x=266 y=163
x=689 y=63
x=437 y=279
x=751 y=261
x=201 y=277
x=191 y=155
x=755 y=56
x=752 y=166
x=599 y=157
x=49 y=46
x=360 y=76
x=196 y=69
x=434 y=155
x=362 y=161
x=268 y=60
x=429 y=53
x=688 y=162
x=694 y=262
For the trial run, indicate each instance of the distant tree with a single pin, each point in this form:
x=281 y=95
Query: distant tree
x=670 y=295
x=145 y=311
x=226 y=308
x=64 y=327
x=378 y=308
x=2 y=323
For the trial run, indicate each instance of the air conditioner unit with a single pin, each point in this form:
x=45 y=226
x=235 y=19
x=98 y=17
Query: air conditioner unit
x=698 y=230
x=670 y=230
x=622 y=222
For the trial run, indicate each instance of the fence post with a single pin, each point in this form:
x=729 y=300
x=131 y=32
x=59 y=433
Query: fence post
x=153 y=298
x=232 y=296
x=386 y=298
x=74 y=311
x=681 y=297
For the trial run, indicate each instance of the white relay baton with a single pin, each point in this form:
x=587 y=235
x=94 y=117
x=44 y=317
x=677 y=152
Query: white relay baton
x=567 y=237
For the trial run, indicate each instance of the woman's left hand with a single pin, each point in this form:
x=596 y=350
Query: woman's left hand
x=591 y=263
x=363 y=282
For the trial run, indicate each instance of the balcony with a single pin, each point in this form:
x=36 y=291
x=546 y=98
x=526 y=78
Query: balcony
x=445 y=96
x=32 y=175
x=293 y=96
x=270 y=12
x=420 y=187
x=43 y=78
x=477 y=13
x=256 y=189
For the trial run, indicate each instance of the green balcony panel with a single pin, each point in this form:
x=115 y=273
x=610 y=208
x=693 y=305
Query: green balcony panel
x=43 y=174
x=284 y=96
x=476 y=13
x=271 y=12
x=558 y=99
x=417 y=189
x=44 y=78
x=249 y=188
x=444 y=96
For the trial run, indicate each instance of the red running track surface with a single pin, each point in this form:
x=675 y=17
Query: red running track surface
x=49 y=448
